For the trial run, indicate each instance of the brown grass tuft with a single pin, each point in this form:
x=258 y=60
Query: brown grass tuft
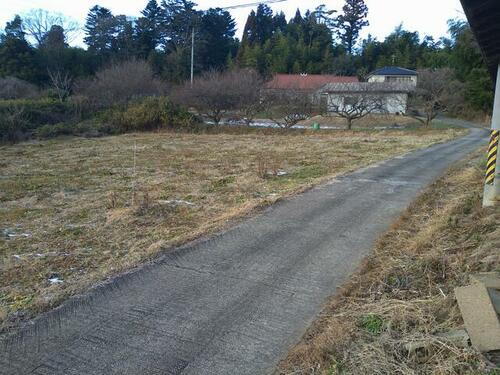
x=403 y=292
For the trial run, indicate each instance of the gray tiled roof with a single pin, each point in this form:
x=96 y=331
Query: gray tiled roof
x=375 y=87
x=393 y=71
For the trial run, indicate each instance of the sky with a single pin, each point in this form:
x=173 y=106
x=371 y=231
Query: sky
x=425 y=16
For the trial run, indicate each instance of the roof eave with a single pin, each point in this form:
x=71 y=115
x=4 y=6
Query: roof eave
x=483 y=18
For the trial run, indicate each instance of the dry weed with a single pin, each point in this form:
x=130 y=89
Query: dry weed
x=88 y=209
x=403 y=293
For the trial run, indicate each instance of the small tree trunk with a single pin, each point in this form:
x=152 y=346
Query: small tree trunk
x=349 y=123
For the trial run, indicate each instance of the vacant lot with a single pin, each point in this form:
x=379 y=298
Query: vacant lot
x=76 y=211
x=403 y=294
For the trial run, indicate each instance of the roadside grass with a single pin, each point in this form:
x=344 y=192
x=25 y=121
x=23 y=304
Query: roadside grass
x=403 y=293
x=76 y=211
x=402 y=123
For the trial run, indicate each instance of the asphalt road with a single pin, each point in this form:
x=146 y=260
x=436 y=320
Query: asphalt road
x=234 y=303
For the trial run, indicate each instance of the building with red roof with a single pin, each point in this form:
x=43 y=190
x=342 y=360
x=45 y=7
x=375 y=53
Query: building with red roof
x=306 y=82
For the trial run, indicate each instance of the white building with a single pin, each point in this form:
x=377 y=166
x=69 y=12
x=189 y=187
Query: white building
x=373 y=97
x=393 y=74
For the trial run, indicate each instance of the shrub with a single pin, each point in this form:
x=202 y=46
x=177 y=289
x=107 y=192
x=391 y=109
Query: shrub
x=84 y=129
x=13 y=124
x=215 y=93
x=15 y=88
x=119 y=84
x=150 y=114
x=40 y=112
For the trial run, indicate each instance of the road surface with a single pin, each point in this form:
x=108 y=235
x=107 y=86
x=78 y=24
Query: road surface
x=234 y=303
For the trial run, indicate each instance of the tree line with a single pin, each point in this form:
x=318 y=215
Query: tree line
x=35 y=47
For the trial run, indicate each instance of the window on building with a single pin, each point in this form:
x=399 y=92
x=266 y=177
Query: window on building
x=398 y=79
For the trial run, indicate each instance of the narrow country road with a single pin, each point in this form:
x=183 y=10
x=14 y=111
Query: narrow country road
x=234 y=303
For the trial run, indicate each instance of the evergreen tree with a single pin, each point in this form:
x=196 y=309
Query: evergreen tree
x=217 y=38
x=264 y=25
x=100 y=29
x=178 y=19
x=350 y=23
x=297 y=19
x=279 y=22
x=124 y=45
x=54 y=38
x=148 y=29
x=14 y=29
x=17 y=57
x=249 y=36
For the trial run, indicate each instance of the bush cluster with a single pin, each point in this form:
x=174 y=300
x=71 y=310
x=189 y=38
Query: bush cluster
x=15 y=88
x=148 y=114
x=20 y=118
x=40 y=111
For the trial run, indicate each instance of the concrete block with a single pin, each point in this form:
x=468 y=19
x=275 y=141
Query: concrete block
x=488 y=279
x=480 y=317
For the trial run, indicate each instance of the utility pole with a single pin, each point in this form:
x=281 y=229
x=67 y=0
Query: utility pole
x=192 y=57
x=492 y=183
x=226 y=8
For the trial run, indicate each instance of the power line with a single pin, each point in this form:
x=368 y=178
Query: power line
x=253 y=4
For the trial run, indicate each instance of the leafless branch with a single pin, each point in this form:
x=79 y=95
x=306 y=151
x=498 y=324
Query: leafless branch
x=353 y=101
x=286 y=108
x=437 y=91
x=61 y=83
x=38 y=23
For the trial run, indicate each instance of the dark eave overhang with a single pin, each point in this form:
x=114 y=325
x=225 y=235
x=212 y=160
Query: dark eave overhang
x=484 y=19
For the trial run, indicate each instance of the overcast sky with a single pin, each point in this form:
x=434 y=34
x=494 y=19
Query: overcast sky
x=425 y=16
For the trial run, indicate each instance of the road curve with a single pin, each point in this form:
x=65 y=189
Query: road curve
x=234 y=303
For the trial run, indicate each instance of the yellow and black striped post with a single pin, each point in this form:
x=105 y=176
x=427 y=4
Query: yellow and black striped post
x=492 y=157
x=491 y=195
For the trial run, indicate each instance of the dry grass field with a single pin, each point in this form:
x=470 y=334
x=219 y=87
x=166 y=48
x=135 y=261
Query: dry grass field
x=76 y=211
x=402 y=296
x=370 y=121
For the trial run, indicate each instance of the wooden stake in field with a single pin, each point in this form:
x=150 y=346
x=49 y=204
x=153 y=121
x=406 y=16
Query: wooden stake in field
x=134 y=175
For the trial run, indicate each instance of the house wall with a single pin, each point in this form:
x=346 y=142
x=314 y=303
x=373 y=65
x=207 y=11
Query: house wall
x=401 y=79
x=394 y=103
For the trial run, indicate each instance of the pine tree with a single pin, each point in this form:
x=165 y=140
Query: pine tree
x=216 y=39
x=54 y=39
x=350 y=23
x=263 y=24
x=100 y=29
x=148 y=29
x=125 y=44
x=14 y=29
x=249 y=37
x=279 y=22
x=178 y=20
x=297 y=19
x=17 y=57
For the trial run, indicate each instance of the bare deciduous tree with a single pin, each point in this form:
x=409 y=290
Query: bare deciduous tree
x=120 y=83
x=436 y=92
x=38 y=22
x=61 y=83
x=286 y=108
x=212 y=95
x=353 y=101
x=15 y=88
x=247 y=86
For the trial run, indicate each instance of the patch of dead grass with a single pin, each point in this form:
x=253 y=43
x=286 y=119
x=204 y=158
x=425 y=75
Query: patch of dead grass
x=83 y=210
x=407 y=285
x=365 y=122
